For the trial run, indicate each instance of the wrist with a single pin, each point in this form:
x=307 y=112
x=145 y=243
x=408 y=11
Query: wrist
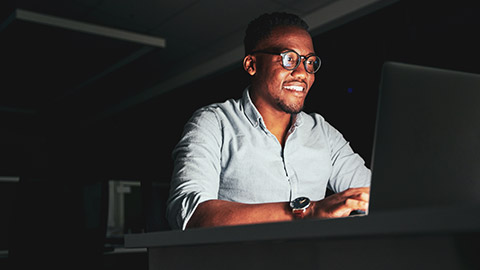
x=311 y=210
x=300 y=207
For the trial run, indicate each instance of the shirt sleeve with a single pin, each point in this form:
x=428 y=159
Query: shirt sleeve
x=348 y=168
x=196 y=171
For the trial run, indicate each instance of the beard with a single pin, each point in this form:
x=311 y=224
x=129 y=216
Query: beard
x=290 y=108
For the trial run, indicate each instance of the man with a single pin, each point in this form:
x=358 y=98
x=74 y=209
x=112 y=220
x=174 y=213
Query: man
x=260 y=158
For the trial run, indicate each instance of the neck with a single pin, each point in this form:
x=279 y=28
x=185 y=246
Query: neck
x=279 y=127
x=277 y=122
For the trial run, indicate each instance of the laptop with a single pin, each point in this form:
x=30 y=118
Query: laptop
x=427 y=139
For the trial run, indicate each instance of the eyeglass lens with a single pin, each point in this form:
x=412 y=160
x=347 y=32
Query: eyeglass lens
x=291 y=60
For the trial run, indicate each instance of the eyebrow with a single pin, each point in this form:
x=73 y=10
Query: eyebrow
x=308 y=54
x=283 y=49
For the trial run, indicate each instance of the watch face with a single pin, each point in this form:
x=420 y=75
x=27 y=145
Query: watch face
x=300 y=203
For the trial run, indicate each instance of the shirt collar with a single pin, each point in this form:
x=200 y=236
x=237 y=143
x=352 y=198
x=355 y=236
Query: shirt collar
x=250 y=110
x=297 y=119
x=255 y=117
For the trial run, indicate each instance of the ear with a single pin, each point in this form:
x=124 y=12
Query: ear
x=249 y=64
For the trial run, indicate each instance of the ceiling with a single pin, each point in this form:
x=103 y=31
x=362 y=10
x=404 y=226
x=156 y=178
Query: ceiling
x=95 y=58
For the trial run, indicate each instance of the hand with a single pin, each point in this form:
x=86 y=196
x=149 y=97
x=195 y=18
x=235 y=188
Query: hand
x=342 y=204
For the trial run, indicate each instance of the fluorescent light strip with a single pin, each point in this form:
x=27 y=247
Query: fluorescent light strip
x=12 y=179
x=89 y=28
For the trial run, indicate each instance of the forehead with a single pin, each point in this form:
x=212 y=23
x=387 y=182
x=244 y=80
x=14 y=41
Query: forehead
x=288 y=37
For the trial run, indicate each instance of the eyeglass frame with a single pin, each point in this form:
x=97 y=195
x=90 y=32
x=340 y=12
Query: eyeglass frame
x=300 y=57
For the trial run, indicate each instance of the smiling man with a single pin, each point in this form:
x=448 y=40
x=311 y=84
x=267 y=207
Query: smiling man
x=260 y=158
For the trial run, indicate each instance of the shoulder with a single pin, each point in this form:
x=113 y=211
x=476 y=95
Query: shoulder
x=317 y=125
x=313 y=121
x=216 y=111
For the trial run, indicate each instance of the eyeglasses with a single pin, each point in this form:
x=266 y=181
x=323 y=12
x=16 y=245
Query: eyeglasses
x=291 y=60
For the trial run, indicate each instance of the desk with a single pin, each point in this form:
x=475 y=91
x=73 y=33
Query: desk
x=434 y=238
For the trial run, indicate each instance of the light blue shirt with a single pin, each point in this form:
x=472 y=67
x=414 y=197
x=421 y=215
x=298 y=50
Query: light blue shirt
x=227 y=153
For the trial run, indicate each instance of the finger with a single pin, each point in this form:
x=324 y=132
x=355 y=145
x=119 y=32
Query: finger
x=349 y=206
x=353 y=191
x=362 y=190
x=354 y=204
x=365 y=197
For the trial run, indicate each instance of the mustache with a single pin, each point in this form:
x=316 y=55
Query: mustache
x=296 y=81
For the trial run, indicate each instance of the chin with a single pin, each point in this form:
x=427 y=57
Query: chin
x=291 y=109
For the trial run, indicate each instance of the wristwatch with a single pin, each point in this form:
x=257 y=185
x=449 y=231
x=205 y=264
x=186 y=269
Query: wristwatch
x=299 y=206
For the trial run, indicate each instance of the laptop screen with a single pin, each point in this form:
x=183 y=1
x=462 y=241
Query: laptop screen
x=427 y=138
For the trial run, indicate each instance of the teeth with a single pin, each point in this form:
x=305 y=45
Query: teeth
x=294 y=88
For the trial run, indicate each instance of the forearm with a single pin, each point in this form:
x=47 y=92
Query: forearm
x=224 y=213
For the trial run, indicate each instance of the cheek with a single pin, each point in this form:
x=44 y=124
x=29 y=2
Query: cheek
x=311 y=80
x=278 y=77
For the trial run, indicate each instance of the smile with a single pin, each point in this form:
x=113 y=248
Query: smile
x=294 y=87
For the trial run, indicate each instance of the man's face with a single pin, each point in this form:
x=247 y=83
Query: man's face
x=275 y=87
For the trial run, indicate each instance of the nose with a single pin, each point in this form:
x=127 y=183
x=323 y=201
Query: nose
x=300 y=72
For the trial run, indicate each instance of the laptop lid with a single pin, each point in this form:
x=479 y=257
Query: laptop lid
x=427 y=139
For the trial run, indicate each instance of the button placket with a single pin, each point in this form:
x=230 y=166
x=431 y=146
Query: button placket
x=289 y=170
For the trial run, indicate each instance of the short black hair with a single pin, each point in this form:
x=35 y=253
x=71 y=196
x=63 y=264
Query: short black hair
x=261 y=27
